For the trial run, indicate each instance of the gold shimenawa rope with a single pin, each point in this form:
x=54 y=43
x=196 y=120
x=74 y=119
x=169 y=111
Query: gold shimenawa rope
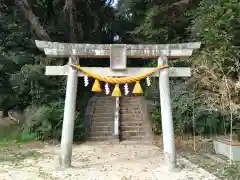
x=117 y=80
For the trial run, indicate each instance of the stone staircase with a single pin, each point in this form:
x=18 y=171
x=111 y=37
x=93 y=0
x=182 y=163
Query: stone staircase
x=101 y=118
x=134 y=123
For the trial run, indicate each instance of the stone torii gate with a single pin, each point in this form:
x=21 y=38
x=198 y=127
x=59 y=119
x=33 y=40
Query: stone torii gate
x=118 y=54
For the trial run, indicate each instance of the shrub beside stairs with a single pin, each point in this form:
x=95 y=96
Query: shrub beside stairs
x=134 y=121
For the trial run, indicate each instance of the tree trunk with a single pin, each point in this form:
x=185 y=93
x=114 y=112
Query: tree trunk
x=39 y=31
x=70 y=9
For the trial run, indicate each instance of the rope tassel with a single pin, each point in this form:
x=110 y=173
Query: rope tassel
x=148 y=81
x=116 y=91
x=107 y=91
x=96 y=86
x=126 y=89
x=137 y=88
x=86 y=81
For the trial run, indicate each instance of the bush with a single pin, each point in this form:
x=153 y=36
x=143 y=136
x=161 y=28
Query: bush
x=12 y=134
x=46 y=121
x=191 y=113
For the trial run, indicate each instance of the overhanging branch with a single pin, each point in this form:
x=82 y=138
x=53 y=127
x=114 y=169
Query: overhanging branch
x=180 y=4
x=33 y=20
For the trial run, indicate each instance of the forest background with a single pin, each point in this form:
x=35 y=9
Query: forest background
x=204 y=104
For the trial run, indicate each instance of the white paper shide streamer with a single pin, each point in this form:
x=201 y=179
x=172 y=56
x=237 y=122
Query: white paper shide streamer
x=107 y=90
x=148 y=81
x=86 y=82
x=126 y=90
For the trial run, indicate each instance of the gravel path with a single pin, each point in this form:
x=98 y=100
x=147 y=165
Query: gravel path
x=99 y=161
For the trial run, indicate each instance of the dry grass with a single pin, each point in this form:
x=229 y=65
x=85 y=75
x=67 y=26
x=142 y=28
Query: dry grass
x=221 y=92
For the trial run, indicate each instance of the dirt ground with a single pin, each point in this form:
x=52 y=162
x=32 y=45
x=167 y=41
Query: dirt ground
x=98 y=161
x=125 y=161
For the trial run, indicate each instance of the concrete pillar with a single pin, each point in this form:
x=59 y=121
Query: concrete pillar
x=166 y=114
x=69 y=116
x=116 y=118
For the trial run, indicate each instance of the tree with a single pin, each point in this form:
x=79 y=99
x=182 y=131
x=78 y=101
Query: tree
x=158 y=21
x=22 y=22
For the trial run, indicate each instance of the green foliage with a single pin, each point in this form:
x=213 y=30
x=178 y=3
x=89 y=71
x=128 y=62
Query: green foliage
x=25 y=85
x=158 y=21
x=13 y=134
x=46 y=121
x=216 y=25
x=34 y=87
x=232 y=172
x=190 y=113
x=202 y=104
x=156 y=119
x=22 y=80
x=216 y=67
x=205 y=101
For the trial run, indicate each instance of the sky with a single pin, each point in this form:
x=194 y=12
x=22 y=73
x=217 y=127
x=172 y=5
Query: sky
x=114 y=3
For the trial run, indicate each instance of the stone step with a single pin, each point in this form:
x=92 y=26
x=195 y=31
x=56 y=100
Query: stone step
x=125 y=136
x=130 y=112
x=125 y=126
x=131 y=123
x=110 y=98
x=96 y=124
x=106 y=98
x=107 y=123
x=135 y=113
x=106 y=108
x=132 y=138
x=135 y=101
x=127 y=108
x=129 y=105
x=98 y=127
x=103 y=138
x=126 y=105
x=106 y=104
x=104 y=111
x=106 y=118
x=131 y=132
x=130 y=98
x=103 y=119
x=101 y=133
x=127 y=118
x=132 y=128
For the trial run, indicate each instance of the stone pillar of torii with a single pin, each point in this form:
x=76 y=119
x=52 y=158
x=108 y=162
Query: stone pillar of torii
x=118 y=54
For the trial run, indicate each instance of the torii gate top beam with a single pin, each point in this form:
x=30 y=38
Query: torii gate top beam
x=173 y=51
